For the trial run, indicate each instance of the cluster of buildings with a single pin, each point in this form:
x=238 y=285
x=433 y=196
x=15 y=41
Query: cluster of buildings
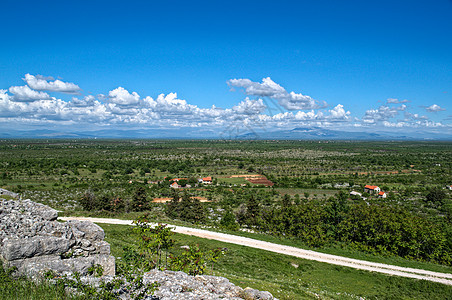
x=175 y=182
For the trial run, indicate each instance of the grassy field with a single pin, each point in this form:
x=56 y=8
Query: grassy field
x=335 y=250
x=321 y=193
x=287 y=277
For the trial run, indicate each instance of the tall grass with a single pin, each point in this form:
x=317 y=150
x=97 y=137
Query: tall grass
x=13 y=288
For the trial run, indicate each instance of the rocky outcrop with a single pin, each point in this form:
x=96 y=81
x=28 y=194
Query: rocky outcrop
x=173 y=285
x=4 y=192
x=33 y=241
x=179 y=285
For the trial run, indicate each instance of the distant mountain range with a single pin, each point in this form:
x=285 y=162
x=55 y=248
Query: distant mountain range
x=316 y=133
x=301 y=133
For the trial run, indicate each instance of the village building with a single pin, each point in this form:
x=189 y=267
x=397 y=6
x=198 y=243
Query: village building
x=372 y=189
x=175 y=185
x=382 y=194
x=206 y=180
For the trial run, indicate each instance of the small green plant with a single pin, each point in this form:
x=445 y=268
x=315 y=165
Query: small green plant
x=96 y=270
x=154 y=240
x=194 y=261
x=67 y=255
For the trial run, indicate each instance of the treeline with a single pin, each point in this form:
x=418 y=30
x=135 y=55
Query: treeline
x=107 y=201
x=373 y=228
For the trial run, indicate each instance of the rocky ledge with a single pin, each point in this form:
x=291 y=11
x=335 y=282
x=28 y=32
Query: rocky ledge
x=174 y=285
x=33 y=241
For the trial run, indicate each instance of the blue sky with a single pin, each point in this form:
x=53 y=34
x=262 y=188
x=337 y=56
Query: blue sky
x=342 y=60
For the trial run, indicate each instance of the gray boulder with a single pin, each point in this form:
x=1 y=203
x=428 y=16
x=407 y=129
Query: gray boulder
x=33 y=241
x=87 y=229
x=36 y=246
x=44 y=211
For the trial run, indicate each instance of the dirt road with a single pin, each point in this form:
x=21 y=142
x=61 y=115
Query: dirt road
x=444 y=278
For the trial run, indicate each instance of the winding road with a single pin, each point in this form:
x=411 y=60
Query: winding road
x=444 y=278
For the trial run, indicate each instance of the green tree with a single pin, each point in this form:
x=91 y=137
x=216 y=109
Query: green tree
x=252 y=211
x=286 y=201
x=139 y=202
x=436 y=197
x=87 y=201
x=154 y=240
x=228 y=221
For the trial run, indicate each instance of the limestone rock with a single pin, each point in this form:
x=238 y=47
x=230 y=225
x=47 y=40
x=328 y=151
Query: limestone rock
x=256 y=294
x=36 y=246
x=32 y=241
x=91 y=231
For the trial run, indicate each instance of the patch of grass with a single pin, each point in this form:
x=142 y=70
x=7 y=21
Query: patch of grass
x=8 y=197
x=344 y=251
x=287 y=277
x=235 y=180
x=22 y=288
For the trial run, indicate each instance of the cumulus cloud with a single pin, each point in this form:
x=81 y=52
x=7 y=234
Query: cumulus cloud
x=335 y=115
x=120 y=107
x=25 y=94
x=121 y=96
x=434 y=108
x=395 y=101
x=250 y=107
x=339 y=113
x=416 y=124
x=383 y=113
x=389 y=117
x=170 y=104
x=269 y=88
x=410 y=116
x=85 y=102
x=43 y=83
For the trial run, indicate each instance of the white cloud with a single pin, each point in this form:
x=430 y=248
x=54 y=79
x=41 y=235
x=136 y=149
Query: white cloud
x=269 y=88
x=123 y=108
x=395 y=101
x=25 y=94
x=250 y=107
x=121 y=96
x=169 y=103
x=434 y=108
x=383 y=113
x=397 y=125
x=410 y=116
x=339 y=113
x=86 y=101
x=42 y=83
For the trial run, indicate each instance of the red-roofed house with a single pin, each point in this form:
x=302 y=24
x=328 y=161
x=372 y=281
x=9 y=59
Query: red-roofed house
x=382 y=195
x=175 y=185
x=206 y=180
x=371 y=189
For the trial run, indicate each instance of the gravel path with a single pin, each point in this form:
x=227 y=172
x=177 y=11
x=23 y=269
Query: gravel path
x=444 y=278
